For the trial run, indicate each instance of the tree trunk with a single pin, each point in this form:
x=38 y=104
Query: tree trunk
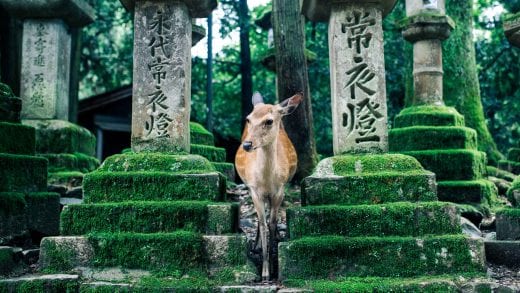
x=291 y=73
x=209 y=80
x=245 y=59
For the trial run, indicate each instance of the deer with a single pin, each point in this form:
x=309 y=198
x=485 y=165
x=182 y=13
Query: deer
x=265 y=161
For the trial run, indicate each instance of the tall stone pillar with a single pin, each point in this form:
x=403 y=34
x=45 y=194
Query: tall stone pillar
x=44 y=87
x=428 y=130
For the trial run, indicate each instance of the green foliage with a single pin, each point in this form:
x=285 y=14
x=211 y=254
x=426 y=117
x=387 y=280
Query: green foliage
x=396 y=219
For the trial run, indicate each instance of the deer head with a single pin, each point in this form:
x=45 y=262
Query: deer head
x=263 y=124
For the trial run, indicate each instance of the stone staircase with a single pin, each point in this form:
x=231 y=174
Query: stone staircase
x=437 y=138
x=375 y=217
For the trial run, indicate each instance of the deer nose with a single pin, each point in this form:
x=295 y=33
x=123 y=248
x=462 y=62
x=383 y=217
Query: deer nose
x=247 y=145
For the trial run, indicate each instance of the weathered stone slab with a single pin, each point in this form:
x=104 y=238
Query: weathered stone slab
x=45 y=73
x=162 y=77
x=505 y=253
x=508 y=224
x=320 y=10
x=359 y=114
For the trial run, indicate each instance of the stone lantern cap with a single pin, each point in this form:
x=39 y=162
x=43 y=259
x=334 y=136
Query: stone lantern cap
x=197 y=33
x=319 y=10
x=512 y=29
x=75 y=13
x=427 y=26
x=197 y=8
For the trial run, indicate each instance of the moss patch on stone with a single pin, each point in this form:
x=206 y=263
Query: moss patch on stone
x=65 y=177
x=149 y=217
x=171 y=252
x=476 y=191
x=432 y=138
x=228 y=169
x=513 y=194
x=510 y=166
x=10 y=108
x=71 y=162
x=199 y=135
x=12 y=203
x=41 y=284
x=7 y=263
x=58 y=136
x=17 y=139
x=376 y=188
x=502 y=174
x=455 y=164
x=108 y=186
x=22 y=173
x=396 y=219
x=212 y=153
x=150 y=162
x=330 y=257
x=367 y=164
x=428 y=116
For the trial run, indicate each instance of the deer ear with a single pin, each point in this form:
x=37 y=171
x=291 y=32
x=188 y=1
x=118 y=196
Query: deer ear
x=288 y=106
x=257 y=98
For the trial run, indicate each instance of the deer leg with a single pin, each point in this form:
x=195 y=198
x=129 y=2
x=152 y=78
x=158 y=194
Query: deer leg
x=262 y=224
x=276 y=202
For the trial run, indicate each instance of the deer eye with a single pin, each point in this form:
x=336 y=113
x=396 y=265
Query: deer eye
x=269 y=122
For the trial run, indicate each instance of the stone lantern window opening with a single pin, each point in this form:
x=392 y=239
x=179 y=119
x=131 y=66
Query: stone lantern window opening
x=430 y=4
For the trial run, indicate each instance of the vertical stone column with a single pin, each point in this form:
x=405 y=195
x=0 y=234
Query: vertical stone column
x=427 y=26
x=357 y=70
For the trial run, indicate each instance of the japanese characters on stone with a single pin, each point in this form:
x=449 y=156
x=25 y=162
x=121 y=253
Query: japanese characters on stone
x=38 y=87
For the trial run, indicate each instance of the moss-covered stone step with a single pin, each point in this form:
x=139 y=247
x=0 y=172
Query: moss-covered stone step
x=150 y=217
x=105 y=186
x=432 y=138
x=368 y=179
x=428 y=116
x=214 y=154
x=22 y=173
x=510 y=166
x=228 y=169
x=452 y=164
x=199 y=135
x=58 y=136
x=476 y=191
x=71 y=162
x=10 y=107
x=503 y=252
x=170 y=253
x=8 y=262
x=508 y=224
x=12 y=216
x=150 y=162
x=498 y=173
x=513 y=194
x=394 y=219
x=69 y=178
x=335 y=256
x=513 y=154
x=17 y=139
x=52 y=283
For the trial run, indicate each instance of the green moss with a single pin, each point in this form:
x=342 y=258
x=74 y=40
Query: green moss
x=199 y=135
x=12 y=203
x=374 y=163
x=493 y=171
x=510 y=166
x=43 y=212
x=382 y=187
x=148 y=162
x=71 y=162
x=6 y=260
x=329 y=257
x=106 y=186
x=428 y=116
x=10 y=106
x=513 y=194
x=509 y=212
x=148 y=217
x=431 y=138
x=228 y=169
x=212 y=153
x=59 y=258
x=58 y=136
x=477 y=191
x=178 y=251
x=17 y=139
x=514 y=155
x=455 y=164
x=396 y=219
x=65 y=177
x=22 y=173
x=39 y=285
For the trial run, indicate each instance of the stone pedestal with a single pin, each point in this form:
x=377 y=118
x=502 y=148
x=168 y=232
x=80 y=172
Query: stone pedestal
x=44 y=88
x=429 y=131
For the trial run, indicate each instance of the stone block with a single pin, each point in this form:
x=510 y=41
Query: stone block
x=7 y=260
x=395 y=219
x=70 y=179
x=477 y=191
x=228 y=169
x=22 y=173
x=510 y=166
x=149 y=217
x=156 y=162
x=418 y=138
x=12 y=216
x=505 y=253
x=10 y=108
x=43 y=213
x=330 y=257
x=58 y=136
x=428 y=116
x=229 y=252
x=211 y=153
x=63 y=253
x=319 y=10
x=452 y=164
x=71 y=162
x=513 y=194
x=41 y=283
x=513 y=154
x=199 y=135
x=105 y=186
x=508 y=224
x=17 y=139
